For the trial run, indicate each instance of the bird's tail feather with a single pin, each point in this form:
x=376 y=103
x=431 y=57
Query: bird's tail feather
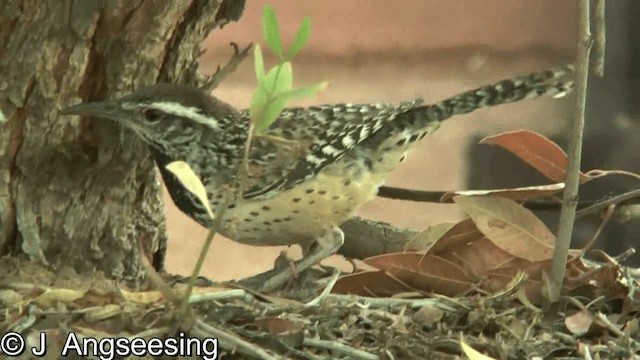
x=555 y=82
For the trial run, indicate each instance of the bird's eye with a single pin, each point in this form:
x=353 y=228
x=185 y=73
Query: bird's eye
x=152 y=115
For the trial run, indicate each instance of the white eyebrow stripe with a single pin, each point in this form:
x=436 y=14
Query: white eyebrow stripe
x=178 y=109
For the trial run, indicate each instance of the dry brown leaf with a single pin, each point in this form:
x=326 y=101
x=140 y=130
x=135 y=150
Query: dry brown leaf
x=427 y=237
x=55 y=295
x=510 y=226
x=143 y=297
x=479 y=257
x=458 y=235
x=370 y=283
x=579 y=323
x=411 y=271
x=498 y=279
x=406 y=260
x=536 y=150
x=285 y=330
x=435 y=274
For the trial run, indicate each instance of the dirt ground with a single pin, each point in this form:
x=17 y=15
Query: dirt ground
x=370 y=74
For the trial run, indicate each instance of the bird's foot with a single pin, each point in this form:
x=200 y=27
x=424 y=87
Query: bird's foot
x=269 y=281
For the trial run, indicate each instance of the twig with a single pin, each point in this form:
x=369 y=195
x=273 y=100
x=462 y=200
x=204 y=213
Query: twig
x=222 y=295
x=572 y=182
x=242 y=179
x=603 y=223
x=396 y=193
x=600 y=38
x=436 y=196
x=221 y=73
x=602 y=320
x=326 y=291
x=615 y=200
x=438 y=302
x=213 y=230
x=212 y=83
x=624 y=256
x=155 y=278
x=542 y=204
x=340 y=348
x=230 y=341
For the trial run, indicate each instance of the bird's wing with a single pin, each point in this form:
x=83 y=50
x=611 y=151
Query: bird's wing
x=303 y=141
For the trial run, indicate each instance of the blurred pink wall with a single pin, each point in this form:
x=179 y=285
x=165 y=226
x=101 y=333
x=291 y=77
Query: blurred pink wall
x=343 y=26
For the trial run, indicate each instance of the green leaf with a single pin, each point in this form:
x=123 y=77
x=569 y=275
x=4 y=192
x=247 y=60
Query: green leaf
x=258 y=62
x=279 y=79
x=259 y=102
x=301 y=38
x=283 y=80
x=272 y=31
x=304 y=92
x=270 y=114
x=190 y=180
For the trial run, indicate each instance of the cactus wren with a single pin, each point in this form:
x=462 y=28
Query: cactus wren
x=295 y=194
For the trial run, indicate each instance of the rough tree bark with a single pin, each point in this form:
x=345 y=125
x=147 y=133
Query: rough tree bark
x=74 y=192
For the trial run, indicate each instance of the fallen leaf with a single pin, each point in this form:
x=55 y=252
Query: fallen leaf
x=55 y=295
x=435 y=275
x=370 y=283
x=424 y=273
x=405 y=260
x=427 y=237
x=479 y=257
x=536 y=150
x=459 y=234
x=579 y=323
x=510 y=226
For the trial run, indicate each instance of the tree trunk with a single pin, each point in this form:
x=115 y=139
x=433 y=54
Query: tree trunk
x=76 y=192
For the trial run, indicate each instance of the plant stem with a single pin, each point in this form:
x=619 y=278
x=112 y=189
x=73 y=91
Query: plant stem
x=570 y=196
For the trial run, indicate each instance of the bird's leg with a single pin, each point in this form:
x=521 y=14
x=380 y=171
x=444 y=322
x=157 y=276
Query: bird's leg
x=325 y=246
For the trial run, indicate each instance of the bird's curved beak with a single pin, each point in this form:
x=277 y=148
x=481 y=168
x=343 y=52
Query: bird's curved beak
x=107 y=109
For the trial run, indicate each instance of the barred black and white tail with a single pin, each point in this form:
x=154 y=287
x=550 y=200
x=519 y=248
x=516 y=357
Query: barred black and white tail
x=555 y=83
x=412 y=125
